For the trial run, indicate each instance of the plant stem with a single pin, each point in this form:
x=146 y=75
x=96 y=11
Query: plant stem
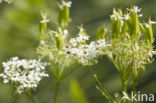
x=56 y=91
x=124 y=86
x=31 y=97
x=14 y=95
x=123 y=81
x=109 y=97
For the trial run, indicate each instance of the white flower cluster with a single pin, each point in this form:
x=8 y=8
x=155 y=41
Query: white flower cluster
x=79 y=40
x=136 y=9
x=24 y=73
x=83 y=52
x=118 y=15
x=65 y=4
x=68 y=4
x=44 y=18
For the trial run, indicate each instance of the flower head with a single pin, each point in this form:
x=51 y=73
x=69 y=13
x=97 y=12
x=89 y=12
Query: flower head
x=68 y=4
x=82 y=52
x=135 y=9
x=44 y=18
x=23 y=73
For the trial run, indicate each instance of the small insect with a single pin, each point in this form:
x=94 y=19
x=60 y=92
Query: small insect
x=68 y=52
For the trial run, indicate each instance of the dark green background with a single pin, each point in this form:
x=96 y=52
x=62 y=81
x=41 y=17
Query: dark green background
x=19 y=36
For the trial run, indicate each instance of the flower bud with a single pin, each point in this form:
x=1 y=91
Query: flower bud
x=133 y=25
x=64 y=13
x=43 y=26
x=144 y=33
x=116 y=23
x=125 y=25
x=149 y=32
x=82 y=31
x=59 y=42
x=59 y=39
x=101 y=32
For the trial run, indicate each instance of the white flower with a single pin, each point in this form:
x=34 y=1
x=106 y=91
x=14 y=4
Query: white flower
x=136 y=9
x=24 y=73
x=44 y=17
x=79 y=39
x=126 y=17
x=65 y=32
x=152 y=22
x=68 y=4
x=146 y=25
x=140 y=15
x=44 y=21
x=83 y=52
x=42 y=42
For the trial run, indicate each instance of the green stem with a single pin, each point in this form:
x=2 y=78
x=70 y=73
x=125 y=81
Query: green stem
x=123 y=81
x=56 y=91
x=134 y=88
x=124 y=86
x=134 y=81
x=31 y=97
x=109 y=97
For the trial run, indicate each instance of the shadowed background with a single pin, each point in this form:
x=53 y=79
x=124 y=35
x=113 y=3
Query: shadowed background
x=19 y=36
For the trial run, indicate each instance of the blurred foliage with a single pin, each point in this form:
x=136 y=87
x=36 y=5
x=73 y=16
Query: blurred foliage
x=19 y=36
x=77 y=93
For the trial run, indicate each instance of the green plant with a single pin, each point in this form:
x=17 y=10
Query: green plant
x=129 y=48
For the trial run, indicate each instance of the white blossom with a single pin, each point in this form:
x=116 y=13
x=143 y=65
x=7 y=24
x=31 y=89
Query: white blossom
x=42 y=42
x=45 y=19
x=68 y=4
x=140 y=15
x=83 y=52
x=65 y=32
x=79 y=39
x=135 y=9
x=24 y=73
x=152 y=22
x=126 y=17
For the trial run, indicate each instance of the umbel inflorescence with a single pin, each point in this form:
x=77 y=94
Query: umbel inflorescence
x=82 y=52
x=24 y=74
